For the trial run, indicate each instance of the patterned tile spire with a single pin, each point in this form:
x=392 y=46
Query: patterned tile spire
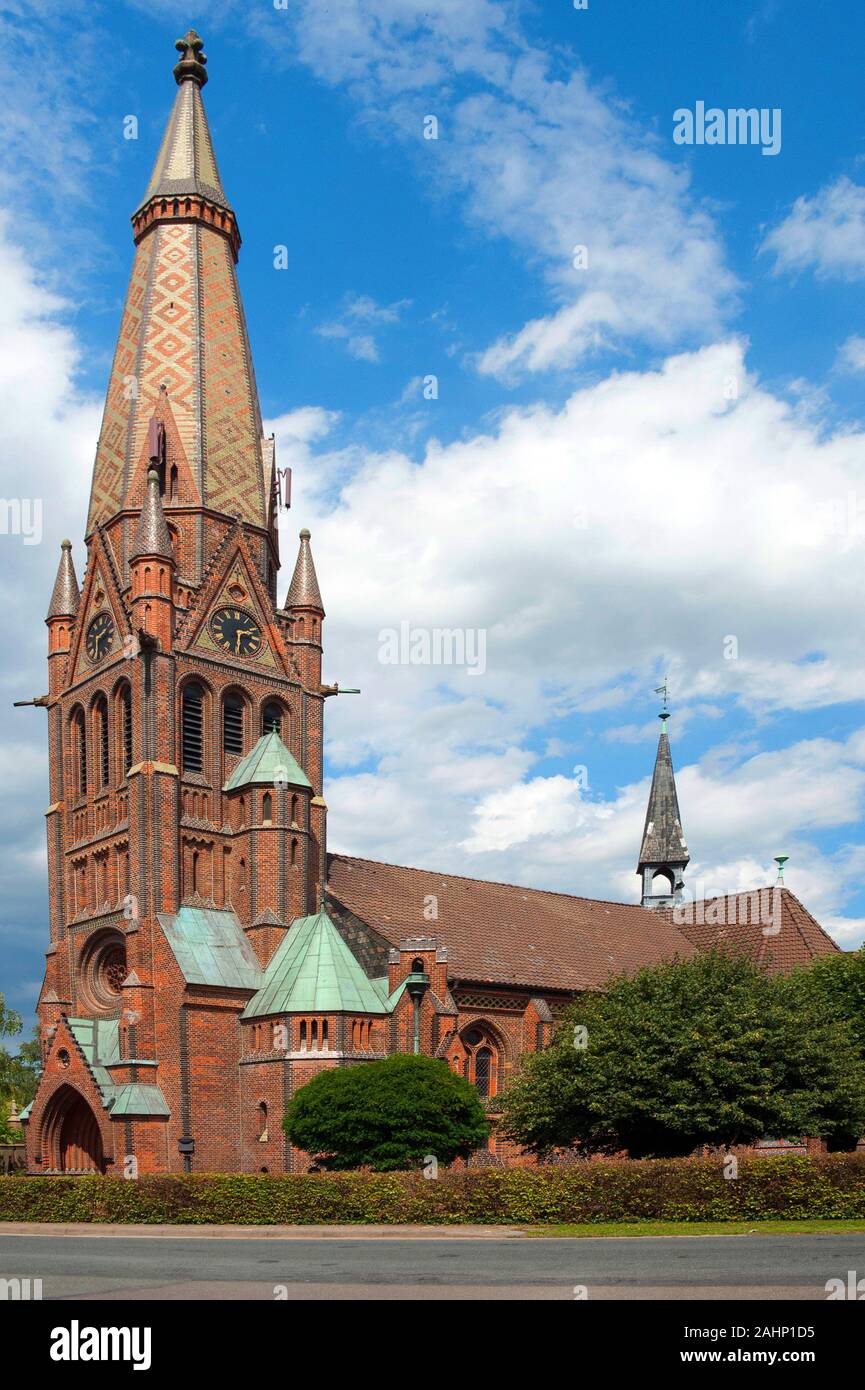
x=183 y=351
x=303 y=591
x=65 y=595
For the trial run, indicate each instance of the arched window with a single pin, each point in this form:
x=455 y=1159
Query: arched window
x=271 y=719
x=267 y=808
x=482 y=1060
x=262 y=1120
x=79 y=744
x=100 y=718
x=483 y=1070
x=192 y=729
x=232 y=724
x=303 y=1035
x=124 y=730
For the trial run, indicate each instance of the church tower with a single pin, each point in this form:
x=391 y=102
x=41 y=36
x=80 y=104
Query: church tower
x=187 y=825
x=663 y=853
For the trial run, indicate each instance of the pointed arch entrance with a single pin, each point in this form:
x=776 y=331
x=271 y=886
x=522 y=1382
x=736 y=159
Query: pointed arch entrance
x=72 y=1137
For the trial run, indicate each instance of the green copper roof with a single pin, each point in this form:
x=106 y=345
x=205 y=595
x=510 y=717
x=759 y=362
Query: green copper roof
x=269 y=764
x=135 y=1098
x=211 y=949
x=313 y=969
x=99 y=1040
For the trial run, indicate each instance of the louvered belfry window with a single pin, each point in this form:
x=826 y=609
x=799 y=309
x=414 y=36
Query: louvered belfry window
x=192 y=729
x=81 y=752
x=271 y=720
x=126 y=715
x=102 y=720
x=232 y=726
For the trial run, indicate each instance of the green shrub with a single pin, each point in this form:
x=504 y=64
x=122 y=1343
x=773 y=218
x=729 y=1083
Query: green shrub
x=387 y=1115
x=831 y=1186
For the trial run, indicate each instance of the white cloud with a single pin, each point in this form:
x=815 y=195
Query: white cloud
x=825 y=233
x=541 y=155
x=361 y=309
x=546 y=806
x=48 y=431
x=633 y=532
x=851 y=357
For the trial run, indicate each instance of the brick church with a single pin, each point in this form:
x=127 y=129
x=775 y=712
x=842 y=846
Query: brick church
x=207 y=955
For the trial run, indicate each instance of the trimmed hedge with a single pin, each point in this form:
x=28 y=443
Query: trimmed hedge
x=681 y=1189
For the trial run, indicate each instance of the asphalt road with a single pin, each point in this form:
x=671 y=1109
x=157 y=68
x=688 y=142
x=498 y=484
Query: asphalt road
x=724 y=1267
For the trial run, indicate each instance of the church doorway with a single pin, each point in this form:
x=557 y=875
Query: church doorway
x=74 y=1137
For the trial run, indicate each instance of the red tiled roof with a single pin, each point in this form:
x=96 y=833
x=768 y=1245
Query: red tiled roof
x=502 y=934
x=770 y=924
x=499 y=933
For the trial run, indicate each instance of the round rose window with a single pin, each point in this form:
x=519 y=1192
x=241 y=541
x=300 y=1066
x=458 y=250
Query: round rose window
x=103 y=970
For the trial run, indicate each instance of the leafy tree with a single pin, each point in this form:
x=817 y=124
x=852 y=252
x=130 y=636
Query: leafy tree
x=386 y=1115
x=18 y=1074
x=840 y=979
x=836 y=985
x=711 y=1050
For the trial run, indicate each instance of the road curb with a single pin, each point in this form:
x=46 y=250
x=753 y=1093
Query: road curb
x=85 y=1228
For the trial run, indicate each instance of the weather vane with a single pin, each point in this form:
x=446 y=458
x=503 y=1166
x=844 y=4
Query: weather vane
x=662 y=690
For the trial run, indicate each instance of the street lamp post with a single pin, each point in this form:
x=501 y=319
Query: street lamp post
x=417 y=984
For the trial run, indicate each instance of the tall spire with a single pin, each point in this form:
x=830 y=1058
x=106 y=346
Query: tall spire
x=153 y=536
x=65 y=595
x=663 y=853
x=183 y=351
x=303 y=591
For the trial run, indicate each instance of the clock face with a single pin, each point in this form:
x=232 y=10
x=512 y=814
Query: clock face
x=100 y=636
x=236 y=632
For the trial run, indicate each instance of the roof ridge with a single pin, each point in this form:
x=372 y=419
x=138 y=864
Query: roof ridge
x=811 y=919
x=495 y=883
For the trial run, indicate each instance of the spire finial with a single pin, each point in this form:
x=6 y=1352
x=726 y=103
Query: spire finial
x=780 y=860
x=665 y=713
x=192 y=58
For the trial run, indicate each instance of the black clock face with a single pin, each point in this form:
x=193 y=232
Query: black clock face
x=236 y=632
x=100 y=636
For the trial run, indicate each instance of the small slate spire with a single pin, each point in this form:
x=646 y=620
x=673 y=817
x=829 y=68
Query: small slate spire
x=66 y=594
x=663 y=853
x=303 y=591
x=153 y=536
x=192 y=59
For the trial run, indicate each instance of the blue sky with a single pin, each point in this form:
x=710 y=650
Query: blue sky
x=584 y=488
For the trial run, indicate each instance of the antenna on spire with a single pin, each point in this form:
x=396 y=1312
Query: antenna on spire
x=662 y=690
x=780 y=860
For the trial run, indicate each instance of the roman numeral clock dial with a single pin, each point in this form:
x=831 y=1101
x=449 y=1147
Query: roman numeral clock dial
x=235 y=632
